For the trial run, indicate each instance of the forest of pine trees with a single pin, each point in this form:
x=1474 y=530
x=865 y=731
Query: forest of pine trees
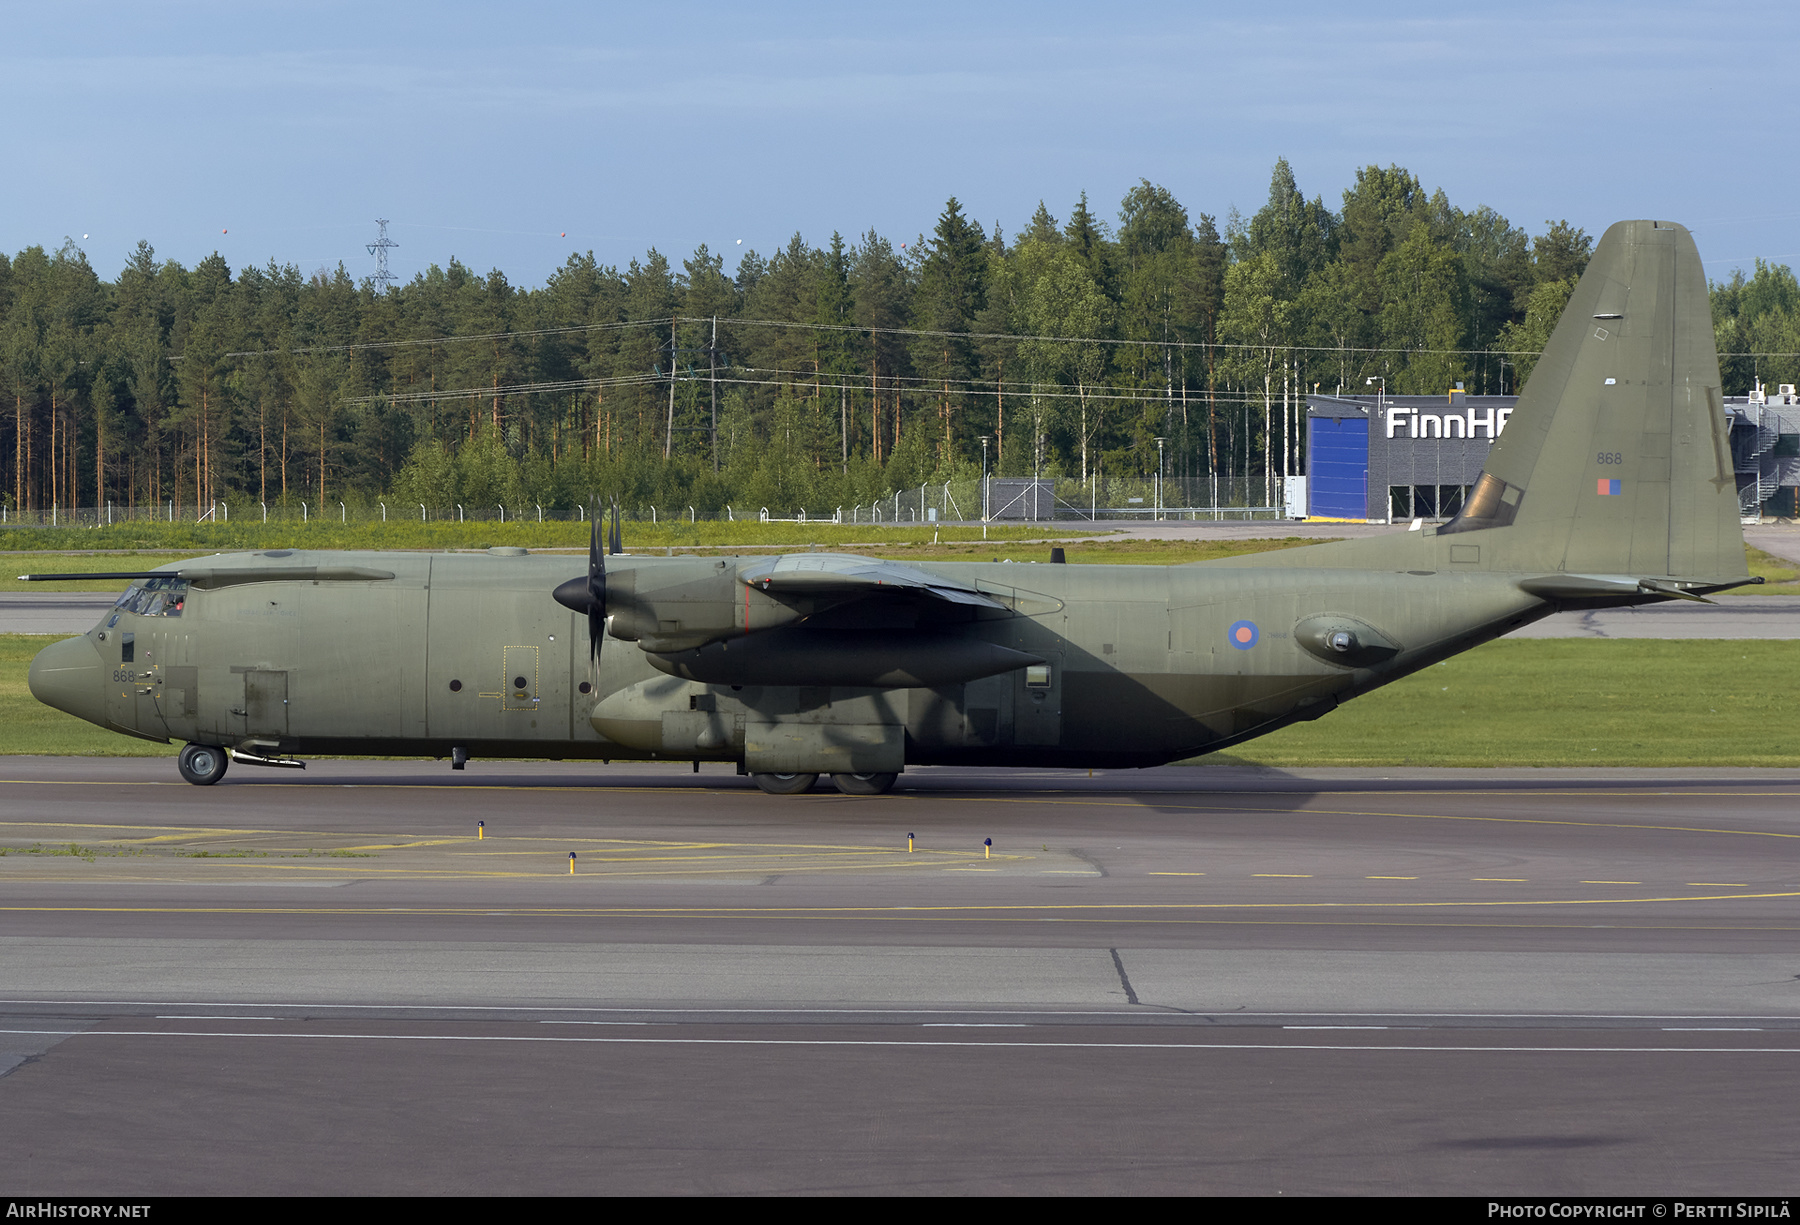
x=815 y=376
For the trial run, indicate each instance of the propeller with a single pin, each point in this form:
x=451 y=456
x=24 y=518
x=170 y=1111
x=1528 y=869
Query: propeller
x=588 y=594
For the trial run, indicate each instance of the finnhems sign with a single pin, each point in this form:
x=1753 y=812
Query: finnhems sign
x=1410 y=423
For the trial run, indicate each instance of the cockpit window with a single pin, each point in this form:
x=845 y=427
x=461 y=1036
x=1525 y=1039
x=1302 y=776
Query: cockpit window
x=155 y=597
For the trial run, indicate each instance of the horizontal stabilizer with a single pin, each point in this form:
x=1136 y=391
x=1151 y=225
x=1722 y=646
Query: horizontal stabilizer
x=1616 y=586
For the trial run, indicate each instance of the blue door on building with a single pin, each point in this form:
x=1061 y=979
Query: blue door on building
x=1337 y=468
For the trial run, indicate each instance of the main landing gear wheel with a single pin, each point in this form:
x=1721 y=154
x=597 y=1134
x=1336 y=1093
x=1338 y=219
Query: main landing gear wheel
x=864 y=784
x=202 y=764
x=785 y=784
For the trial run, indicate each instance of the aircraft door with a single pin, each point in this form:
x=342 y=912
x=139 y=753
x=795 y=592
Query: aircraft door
x=486 y=677
x=988 y=711
x=265 y=703
x=1037 y=701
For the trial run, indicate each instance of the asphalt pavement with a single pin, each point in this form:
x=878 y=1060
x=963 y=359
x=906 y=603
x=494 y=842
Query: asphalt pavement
x=1192 y=979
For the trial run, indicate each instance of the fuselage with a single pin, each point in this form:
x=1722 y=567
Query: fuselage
x=1140 y=664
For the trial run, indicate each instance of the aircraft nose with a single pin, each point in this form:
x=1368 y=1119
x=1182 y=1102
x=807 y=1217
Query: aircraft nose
x=71 y=676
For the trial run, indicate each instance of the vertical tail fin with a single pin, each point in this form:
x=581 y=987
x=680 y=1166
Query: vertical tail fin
x=1616 y=460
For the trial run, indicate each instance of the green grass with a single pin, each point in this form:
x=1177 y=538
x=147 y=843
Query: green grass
x=1537 y=702
x=190 y=538
x=1778 y=574
x=73 y=850
x=1562 y=702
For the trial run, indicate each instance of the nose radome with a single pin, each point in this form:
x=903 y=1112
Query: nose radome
x=70 y=675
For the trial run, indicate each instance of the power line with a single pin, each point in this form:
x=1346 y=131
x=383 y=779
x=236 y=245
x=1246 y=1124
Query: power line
x=852 y=329
x=434 y=341
x=800 y=378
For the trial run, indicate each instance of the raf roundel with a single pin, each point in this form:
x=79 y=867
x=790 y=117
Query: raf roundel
x=1242 y=634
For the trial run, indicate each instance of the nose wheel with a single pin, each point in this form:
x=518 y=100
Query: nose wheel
x=202 y=764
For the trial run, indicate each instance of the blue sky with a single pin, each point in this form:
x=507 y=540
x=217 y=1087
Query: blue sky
x=488 y=132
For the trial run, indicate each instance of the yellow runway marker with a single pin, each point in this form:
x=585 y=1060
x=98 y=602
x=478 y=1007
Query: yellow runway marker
x=1406 y=878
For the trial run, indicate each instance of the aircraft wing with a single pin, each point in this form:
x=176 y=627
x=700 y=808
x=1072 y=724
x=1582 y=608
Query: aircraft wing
x=845 y=575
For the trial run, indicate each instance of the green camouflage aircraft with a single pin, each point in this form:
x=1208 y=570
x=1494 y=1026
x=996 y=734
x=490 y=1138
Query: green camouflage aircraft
x=1612 y=485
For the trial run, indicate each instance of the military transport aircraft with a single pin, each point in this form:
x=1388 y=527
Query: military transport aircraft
x=1613 y=484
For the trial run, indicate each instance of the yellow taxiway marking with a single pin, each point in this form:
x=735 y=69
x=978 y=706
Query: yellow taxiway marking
x=1136 y=800
x=1416 y=878
x=1148 y=801
x=1082 y=912
x=557 y=843
x=559 y=869
x=1716 y=884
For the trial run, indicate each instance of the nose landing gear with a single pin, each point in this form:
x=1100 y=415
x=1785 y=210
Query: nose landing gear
x=202 y=764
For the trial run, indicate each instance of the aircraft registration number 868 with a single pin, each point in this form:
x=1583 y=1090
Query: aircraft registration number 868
x=1610 y=457
x=125 y=674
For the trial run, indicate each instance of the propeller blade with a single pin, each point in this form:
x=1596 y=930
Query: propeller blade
x=596 y=591
x=618 y=544
x=587 y=594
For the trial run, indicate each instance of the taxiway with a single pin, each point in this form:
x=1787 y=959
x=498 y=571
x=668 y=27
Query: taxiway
x=1190 y=979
